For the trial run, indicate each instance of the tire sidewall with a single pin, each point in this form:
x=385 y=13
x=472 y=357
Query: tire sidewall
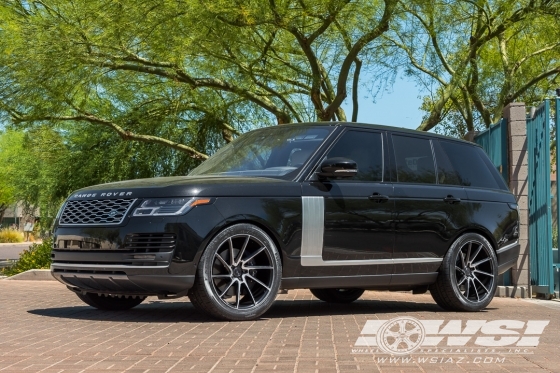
x=450 y=263
x=205 y=271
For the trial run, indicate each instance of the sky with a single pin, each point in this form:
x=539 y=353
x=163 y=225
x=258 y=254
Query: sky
x=399 y=107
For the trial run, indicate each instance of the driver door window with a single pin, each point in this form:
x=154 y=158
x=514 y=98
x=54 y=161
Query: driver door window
x=365 y=148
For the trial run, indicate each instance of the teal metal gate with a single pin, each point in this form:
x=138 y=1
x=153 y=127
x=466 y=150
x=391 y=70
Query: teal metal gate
x=494 y=142
x=540 y=213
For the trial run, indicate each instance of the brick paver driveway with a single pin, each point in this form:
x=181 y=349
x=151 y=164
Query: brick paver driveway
x=45 y=328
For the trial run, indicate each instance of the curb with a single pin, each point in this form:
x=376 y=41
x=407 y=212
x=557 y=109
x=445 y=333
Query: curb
x=512 y=292
x=33 y=275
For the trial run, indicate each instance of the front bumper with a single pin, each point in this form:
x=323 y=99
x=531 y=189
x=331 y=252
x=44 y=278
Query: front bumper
x=119 y=282
x=120 y=272
x=120 y=261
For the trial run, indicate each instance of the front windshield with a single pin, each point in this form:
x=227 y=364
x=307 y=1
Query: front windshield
x=272 y=152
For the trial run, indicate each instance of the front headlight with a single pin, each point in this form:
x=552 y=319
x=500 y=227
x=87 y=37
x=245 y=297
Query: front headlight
x=168 y=206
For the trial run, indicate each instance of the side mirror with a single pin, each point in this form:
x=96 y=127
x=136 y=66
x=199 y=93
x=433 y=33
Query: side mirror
x=338 y=168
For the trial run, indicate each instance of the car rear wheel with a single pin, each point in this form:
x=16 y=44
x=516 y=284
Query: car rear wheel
x=110 y=302
x=337 y=295
x=468 y=274
x=239 y=274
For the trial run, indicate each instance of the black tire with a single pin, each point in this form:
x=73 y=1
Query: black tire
x=468 y=275
x=337 y=295
x=238 y=275
x=110 y=302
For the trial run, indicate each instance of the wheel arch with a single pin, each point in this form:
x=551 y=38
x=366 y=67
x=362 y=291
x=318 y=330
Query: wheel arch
x=478 y=230
x=243 y=220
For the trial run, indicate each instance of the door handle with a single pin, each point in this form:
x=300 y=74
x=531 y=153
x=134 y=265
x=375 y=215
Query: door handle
x=379 y=198
x=451 y=200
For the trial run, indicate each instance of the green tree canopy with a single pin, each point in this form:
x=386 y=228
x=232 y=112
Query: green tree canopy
x=158 y=71
x=475 y=57
x=188 y=75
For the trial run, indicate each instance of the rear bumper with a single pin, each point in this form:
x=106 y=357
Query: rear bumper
x=507 y=256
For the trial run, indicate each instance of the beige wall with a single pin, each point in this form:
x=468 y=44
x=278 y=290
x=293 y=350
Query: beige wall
x=515 y=114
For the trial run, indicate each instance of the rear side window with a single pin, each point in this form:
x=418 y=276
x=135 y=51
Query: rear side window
x=446 y=173
x=365 y=148
x=414 y=160
x=467 y=166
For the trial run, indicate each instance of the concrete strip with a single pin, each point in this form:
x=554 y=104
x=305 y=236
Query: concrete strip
x=512 y=291
x=34 y=275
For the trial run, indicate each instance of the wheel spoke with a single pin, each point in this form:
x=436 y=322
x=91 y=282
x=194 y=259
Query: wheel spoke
x=480 y=262
x=477 y=252
x=254 y=254
x=223 y=262
x=231 y=259
x=221 y=276
x=258 y=281
x=396 y=343
x=238 y=296
x=468 y=260
x=468 y=289
x=462 y=280
x=402 y=326
x=457 y=268
x=480 y=282
x=250 y=293
x=240 y=255
x=416 y=330
x=391 y=333
x=408 y=342
x=475 y=291
x=462 y=258
x=227 y=288
x=484 y=273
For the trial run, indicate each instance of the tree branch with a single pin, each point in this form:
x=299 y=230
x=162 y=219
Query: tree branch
x=124 y=134
x=365 y=39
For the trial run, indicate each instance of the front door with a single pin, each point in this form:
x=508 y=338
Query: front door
x=348 y=222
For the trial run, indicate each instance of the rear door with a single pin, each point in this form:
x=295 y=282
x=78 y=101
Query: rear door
x=426 y=212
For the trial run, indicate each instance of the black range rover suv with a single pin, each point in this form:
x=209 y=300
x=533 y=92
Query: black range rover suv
x=338 y=208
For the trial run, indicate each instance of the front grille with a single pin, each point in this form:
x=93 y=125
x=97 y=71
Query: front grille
x=150 y=242
x=95 y=212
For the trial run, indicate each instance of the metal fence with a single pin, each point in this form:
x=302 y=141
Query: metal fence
x=540 y=212
x=494 y=142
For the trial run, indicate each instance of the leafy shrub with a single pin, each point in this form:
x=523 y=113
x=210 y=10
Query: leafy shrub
x=38 y=256
x=10 y=235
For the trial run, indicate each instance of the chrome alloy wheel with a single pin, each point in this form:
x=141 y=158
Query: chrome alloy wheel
x=242 y=272
x=474 y=271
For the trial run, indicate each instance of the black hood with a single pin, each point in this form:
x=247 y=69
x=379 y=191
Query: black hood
x=190 y=186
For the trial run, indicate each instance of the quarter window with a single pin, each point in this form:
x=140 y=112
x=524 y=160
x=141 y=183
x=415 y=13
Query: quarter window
x=415 y=163
x=365 y=148
x=469 y=167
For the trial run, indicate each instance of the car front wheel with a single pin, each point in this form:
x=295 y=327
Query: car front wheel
x=239 y=274
x=468 y=274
